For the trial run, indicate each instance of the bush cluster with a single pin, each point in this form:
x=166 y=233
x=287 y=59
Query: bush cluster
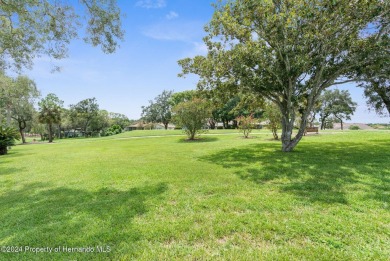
x=354 y=127
x=113 y=130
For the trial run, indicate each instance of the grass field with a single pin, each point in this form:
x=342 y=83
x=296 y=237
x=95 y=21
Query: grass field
x=220 y=198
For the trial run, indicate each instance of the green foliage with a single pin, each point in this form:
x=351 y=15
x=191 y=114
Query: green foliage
x=335 y=103
x=246 y=124
x=285 y=51
x=7 y=138
x=183 y=96
x=354 y=127
x=17 y=98
x=113 y=130
x=159 y=110
x=99 y=122
x=119 y=119
x=33 y=28
x=274 y=118
x=374 y=78
x=380 y=126
x=84 y=112
x=24 y=95
x=50 y=109
x=192 y=116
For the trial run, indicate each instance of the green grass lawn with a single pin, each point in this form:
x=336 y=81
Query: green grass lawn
x=220 y=198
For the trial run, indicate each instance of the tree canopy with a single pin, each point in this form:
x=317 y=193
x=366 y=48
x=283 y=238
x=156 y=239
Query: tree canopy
x=33 y=28
x=338 y=104
x=192 y=116
x=22 y=102
x=286 y=51
x=84 y=112
x=50 y=112
x=159 y=110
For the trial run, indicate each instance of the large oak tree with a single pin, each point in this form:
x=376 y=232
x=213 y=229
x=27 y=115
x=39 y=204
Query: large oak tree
x=287 y=51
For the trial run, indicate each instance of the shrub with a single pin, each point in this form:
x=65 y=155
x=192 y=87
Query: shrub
x=113 y=130
x=7 y=138
x=192 y=115
x=354 y=127
x=246 y=124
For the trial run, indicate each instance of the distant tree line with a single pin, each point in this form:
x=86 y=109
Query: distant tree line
x=22 y=109
x=242 y=109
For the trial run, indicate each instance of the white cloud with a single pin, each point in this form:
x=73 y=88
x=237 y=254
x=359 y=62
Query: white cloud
x=170 y=31
x=200 y=48
x=172 y=15
x=151 y=3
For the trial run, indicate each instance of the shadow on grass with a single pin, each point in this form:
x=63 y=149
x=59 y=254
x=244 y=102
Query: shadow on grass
x=199 y=140
x=8 y=170
x=315 y=172
x=38 y=216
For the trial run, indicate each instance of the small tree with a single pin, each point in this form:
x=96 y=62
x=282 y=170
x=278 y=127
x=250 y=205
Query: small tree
x=246 y=124
x=7 y=138
x=192 y=115
x=337 y=103
x=274 y=117
x=84 y=112
x=159 y=111
x=50 y=112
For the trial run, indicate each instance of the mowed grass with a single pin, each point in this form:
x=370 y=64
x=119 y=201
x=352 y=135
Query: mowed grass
x=220 y=198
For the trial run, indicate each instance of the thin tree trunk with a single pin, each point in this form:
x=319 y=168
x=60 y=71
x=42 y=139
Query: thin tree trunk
x=50 y=133
x=275 y=133
x=212 y=124
x=59 y=131
x=166 y=126
x=235 y=124
x=21 y=130
x=342 y=127
x=22 y=135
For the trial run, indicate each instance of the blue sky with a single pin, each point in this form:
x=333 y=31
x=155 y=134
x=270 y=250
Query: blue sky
x=157 y=34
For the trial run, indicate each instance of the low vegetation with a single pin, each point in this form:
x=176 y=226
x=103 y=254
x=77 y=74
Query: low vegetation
x=221 y=197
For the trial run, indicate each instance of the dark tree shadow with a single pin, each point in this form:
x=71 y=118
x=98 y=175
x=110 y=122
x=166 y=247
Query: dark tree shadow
x=322 y=173
x=36 y=215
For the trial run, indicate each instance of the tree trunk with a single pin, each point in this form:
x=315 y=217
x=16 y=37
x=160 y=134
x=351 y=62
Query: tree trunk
x=192 y=135
x=288 y=118
x=3 y=150
x=323 y=122
x=59 y=131
x=166 y=125
x=275 y=133
x=341 y=122
x=235 y=124
x=50 y=133
x=22 y=135
x=22 y=126
x=287 y=128
x=212 y=124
